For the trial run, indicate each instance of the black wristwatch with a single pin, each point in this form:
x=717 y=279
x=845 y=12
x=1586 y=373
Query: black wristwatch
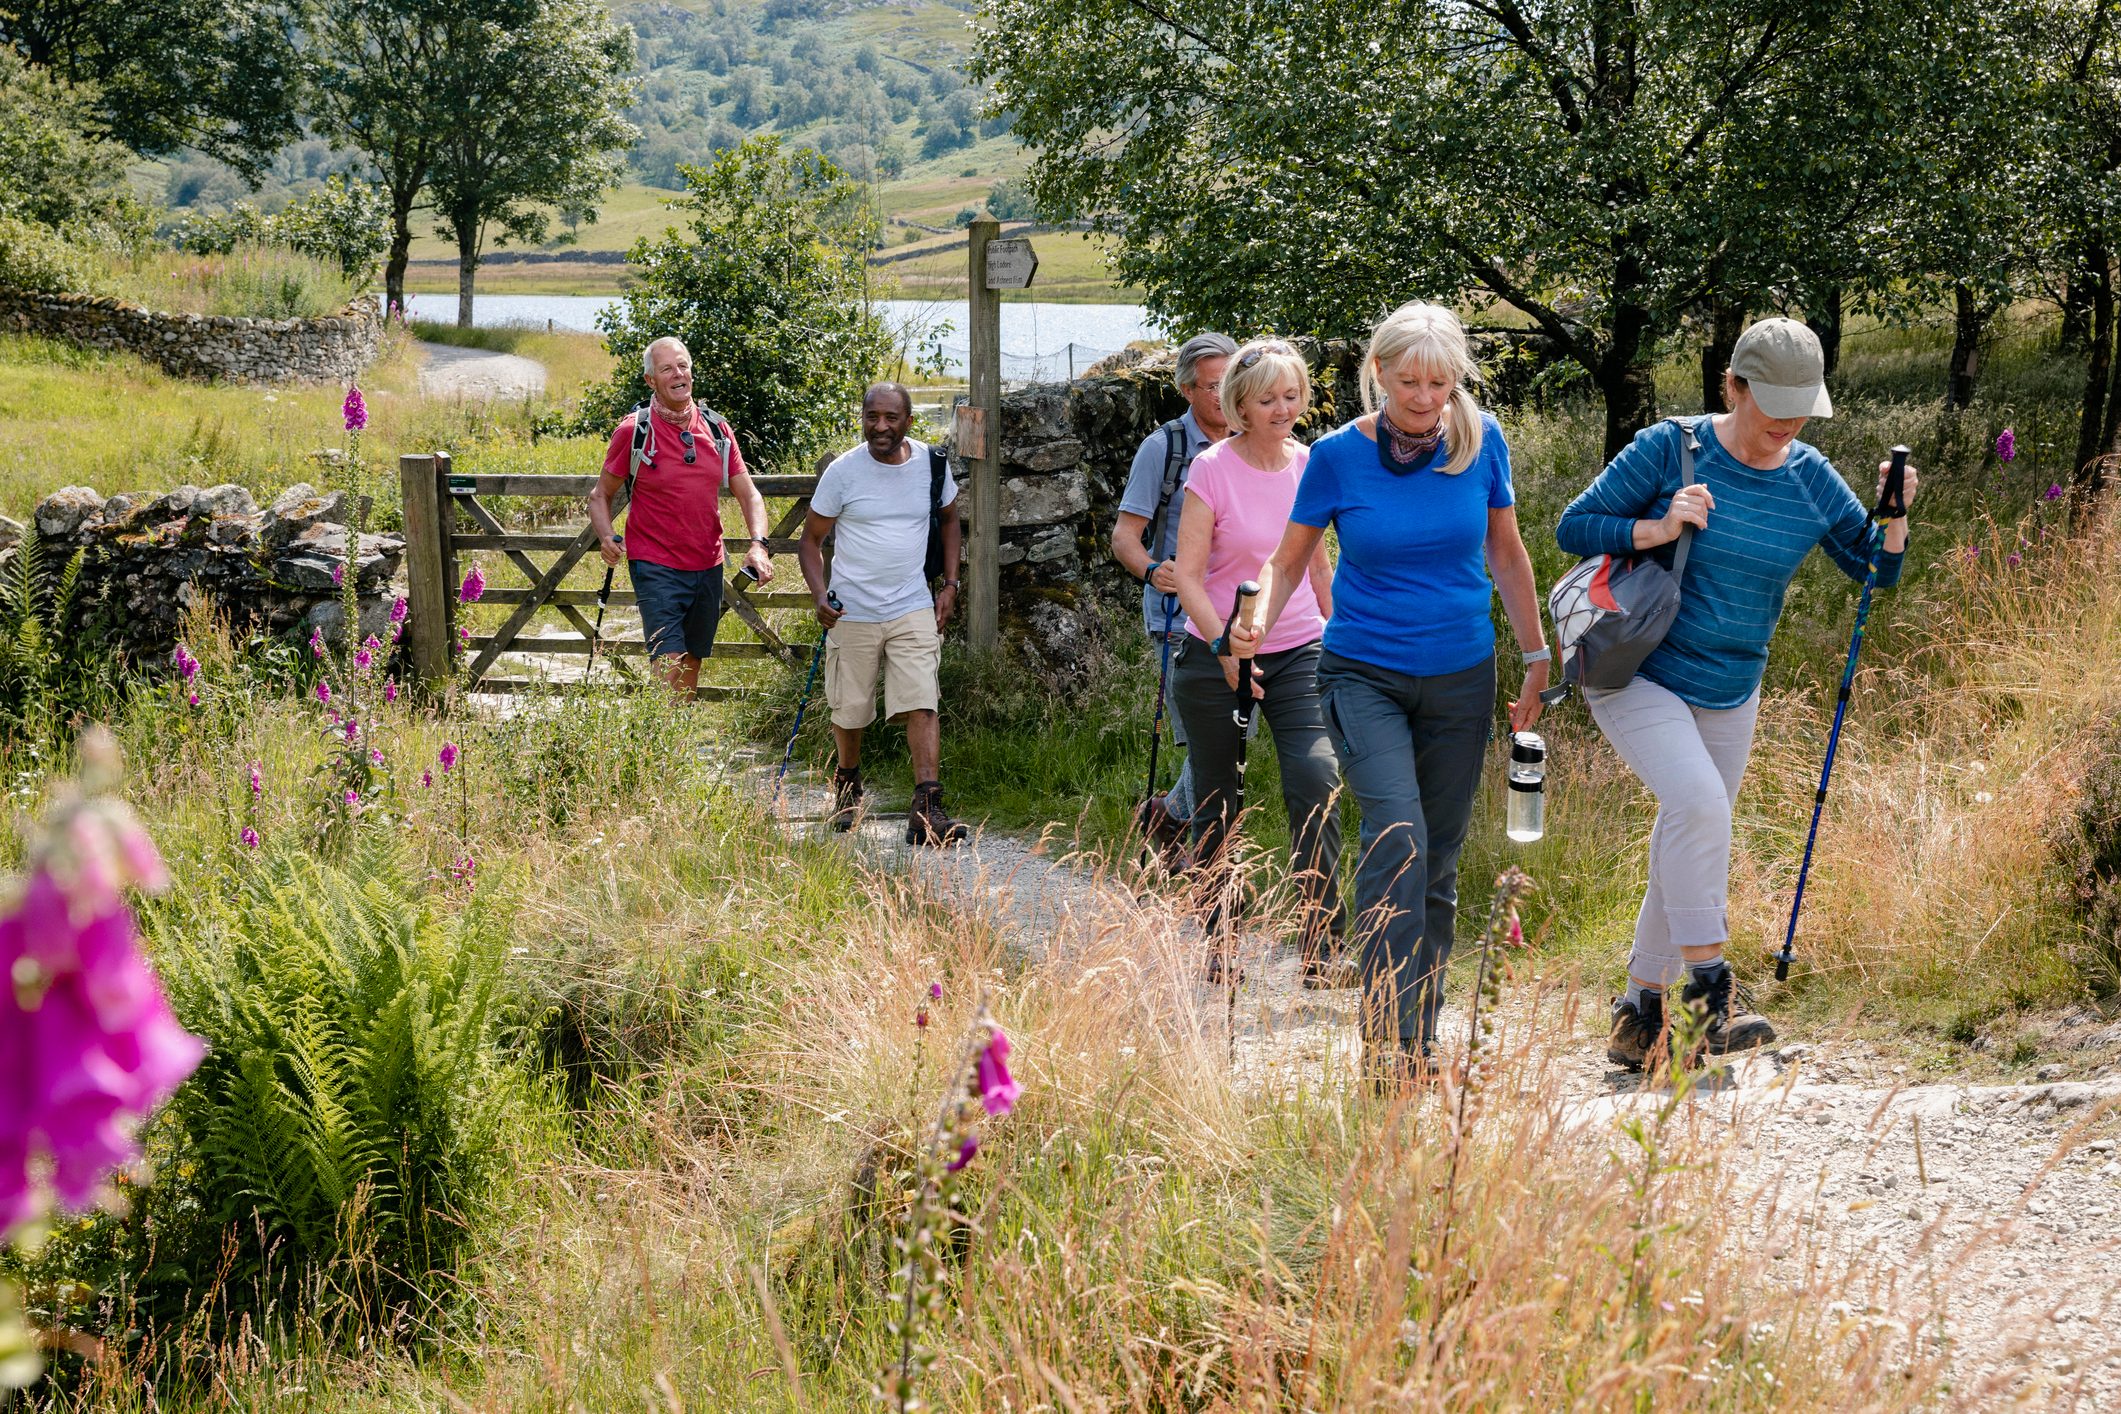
x=949 y=584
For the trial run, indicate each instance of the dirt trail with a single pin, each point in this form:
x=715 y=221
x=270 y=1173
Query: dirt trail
x=478 y=375
x=1987 y=1211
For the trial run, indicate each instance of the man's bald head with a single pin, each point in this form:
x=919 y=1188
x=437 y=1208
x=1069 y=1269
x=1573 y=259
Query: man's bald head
x=889 y=390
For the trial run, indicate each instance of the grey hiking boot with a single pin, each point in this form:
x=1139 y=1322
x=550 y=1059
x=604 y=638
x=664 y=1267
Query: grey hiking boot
x=846 y=797
x=1635 y=1030
x=1723 y=1029
x=926 y=820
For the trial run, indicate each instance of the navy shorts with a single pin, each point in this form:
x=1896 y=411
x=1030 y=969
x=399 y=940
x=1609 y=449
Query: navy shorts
x=679 y=608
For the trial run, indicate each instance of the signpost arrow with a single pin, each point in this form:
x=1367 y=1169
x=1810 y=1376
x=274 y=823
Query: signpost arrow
x=1011 y=264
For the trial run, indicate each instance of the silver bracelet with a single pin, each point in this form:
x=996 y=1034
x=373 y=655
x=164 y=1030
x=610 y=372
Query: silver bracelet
x=1538 y=655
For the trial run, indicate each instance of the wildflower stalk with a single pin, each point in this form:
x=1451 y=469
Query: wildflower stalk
x=1510 y=886
x=350 y=592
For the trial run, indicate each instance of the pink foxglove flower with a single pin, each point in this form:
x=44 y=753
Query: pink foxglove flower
x=447 y=755
x=2006 y=445
x=316 y=642
x=88 y=1044
x=338 y=573
x=375 y=755
x=427 y=779
x=398 y=609
x=257 y=780
x=353 y=729
x=2053 y=493
x=998 y=1090
x=390 y=690
x=353 y=798
x=362 y=658
x=323 y=691
x=935 y=991
x=354 y=409
x=250 y=837
x=474 y=585
x=965 y=1151
x=192 y=701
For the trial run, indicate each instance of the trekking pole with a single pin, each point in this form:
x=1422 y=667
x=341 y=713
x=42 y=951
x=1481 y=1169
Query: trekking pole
x=1156 y=723
x=596 y=635
x=1226 y=844
x=802 y=705
x=1890 y=506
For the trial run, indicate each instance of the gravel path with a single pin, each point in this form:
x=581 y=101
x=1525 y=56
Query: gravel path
x=1987 y=1213
x=478 y=375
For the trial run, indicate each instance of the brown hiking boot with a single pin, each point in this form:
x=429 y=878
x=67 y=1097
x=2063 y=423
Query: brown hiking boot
x=1164 y=833
x=1636 y=1030
x=846 y=797
x=926 y=820
x=1725 y=1029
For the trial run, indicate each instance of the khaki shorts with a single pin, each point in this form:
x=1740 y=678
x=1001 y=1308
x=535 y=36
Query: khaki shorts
x=912 y=655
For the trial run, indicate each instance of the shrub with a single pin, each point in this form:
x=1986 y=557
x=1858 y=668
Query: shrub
x=1010 y=201
x=768 y=286
x=2089 y=850
x=345 y=1117
x=344 y=224
x=39 y=259
x=53 y=666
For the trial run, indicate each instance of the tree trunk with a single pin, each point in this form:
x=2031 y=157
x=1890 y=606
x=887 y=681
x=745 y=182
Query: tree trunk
x=400 y=252
x=2077 y=309
x=1969 y=323
x=467 y=268
x=2087 y=473
x=1824 y=319
x=1726 y=323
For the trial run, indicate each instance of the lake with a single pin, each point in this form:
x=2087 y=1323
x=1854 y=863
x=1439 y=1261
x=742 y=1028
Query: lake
x=1040 y=342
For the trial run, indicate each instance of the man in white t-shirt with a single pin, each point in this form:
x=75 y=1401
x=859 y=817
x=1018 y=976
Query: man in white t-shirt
x=878 y=501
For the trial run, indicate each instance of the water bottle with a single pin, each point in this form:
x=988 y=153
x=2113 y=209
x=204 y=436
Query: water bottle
x=1527 y=819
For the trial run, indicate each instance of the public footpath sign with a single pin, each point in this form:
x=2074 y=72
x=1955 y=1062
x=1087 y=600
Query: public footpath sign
x=1011 y=264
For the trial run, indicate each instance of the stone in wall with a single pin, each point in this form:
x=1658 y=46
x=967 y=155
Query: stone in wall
x=148 y=558
x=234 y=350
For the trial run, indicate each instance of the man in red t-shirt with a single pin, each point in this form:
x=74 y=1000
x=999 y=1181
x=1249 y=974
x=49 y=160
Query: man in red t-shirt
x=673 y=541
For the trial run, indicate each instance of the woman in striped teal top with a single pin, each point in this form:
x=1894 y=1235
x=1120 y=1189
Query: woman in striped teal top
x=1762 y=500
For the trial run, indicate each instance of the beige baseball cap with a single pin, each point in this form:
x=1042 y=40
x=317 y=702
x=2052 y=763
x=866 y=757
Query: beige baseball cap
x=1784 y=369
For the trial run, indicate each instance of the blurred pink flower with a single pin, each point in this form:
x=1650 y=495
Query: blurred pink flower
x=355 y=409
x=250 y=838
x=390 y=690
x=2006 y=444
x=965 y=1151
x=353 y=797
x=375 y=755
x=362 y=658
x=323 y=692
x=2053 y=493
x=427 y=779
x=353 y=729
x=935 y=991
x=257 y=780
x=474 y=585
x=316 y=641
x=398 y=609
x=998 y=1090
x=338 y=573
x=447 y=755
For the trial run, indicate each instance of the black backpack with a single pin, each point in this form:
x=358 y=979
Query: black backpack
x=938 y=467
x=1178 y=455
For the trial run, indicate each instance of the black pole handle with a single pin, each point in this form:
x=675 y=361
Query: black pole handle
x=1892 y=498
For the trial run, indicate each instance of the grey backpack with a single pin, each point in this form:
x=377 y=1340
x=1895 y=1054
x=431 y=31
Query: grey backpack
x=1611 y=611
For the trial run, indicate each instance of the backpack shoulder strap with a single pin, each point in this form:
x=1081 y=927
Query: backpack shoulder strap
x=1178 y=455
x=640 y=447
x=1689 y=447
x=724 y=437
x=938 y=467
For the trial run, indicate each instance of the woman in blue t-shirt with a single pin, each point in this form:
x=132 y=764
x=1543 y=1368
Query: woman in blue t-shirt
x=1418 y=489
x=1760 y=502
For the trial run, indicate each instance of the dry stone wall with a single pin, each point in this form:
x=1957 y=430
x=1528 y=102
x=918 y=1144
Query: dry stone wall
x=206 y=346
x=148 y=558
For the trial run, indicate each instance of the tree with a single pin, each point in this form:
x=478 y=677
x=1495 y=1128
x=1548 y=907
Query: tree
x=768 y=286
x=216 y=75
x=1598 y=167
x=376 y=76
x=534 y=122
x=53 y=170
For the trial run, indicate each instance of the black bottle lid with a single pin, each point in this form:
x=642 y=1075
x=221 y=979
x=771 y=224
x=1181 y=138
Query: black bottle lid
x=1527 y=747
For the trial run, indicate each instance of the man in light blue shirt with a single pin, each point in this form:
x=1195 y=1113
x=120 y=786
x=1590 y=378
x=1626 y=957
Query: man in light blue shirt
x=1145 y=538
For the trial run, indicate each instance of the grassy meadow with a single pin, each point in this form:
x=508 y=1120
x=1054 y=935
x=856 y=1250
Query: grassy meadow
x=676 y=1147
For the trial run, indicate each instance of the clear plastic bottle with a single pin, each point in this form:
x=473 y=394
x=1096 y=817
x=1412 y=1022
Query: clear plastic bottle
x=1527 y=819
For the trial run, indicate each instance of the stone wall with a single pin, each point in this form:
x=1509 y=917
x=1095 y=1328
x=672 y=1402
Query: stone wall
x=206 y=346
x=150 y=557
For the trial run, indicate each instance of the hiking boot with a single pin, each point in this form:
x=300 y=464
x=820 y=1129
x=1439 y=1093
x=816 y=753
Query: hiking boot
x=1164 y=833
x=1395 y=1065
x=926 y=820
x=846 y=797
x=1635 y=1030
x=1724 y=1030
x=1223 y=968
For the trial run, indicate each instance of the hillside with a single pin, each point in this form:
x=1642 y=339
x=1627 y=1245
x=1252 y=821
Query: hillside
x=877 y=85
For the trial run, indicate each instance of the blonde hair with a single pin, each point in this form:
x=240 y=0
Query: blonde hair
x=1430 y=337
x=1271 y=363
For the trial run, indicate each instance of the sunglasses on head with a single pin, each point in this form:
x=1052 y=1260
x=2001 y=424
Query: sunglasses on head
x=691 y=453
x=1270 y=346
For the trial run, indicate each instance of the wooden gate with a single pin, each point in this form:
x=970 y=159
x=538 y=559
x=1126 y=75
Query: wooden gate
x=444 y=519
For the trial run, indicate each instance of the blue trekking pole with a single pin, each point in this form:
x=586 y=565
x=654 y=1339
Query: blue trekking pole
x=1890 y=505
x=802 y=705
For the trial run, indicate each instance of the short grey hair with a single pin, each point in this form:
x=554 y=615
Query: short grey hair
x=648 y=354
x=1193 y=350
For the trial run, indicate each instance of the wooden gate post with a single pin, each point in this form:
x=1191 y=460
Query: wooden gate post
x=983 y=546
x=426 y=591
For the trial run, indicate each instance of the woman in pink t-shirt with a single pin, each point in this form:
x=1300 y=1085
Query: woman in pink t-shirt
x=1238 y=497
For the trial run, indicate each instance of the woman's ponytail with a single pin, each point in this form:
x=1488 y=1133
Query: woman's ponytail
x=1461 y=431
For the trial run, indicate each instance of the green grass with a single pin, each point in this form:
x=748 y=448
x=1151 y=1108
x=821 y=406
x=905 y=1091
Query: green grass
x=263 y=282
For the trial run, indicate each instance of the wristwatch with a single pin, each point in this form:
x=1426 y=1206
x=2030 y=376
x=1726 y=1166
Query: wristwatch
x=1538 y=655
x=949 y=584
x=1149 y=574
x=760 y=540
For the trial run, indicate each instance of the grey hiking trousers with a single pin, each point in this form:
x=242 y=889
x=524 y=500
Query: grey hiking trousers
x=1692 y=759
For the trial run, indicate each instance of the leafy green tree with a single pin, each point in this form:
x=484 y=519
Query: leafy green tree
x=341 y=221
x=54 y=171
x=216 y=75
x=1597 y=167
x=534 y=123
x=768 y=286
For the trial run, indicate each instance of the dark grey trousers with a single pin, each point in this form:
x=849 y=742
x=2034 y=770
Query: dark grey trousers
x=1411 y=751
x=1308 y=775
